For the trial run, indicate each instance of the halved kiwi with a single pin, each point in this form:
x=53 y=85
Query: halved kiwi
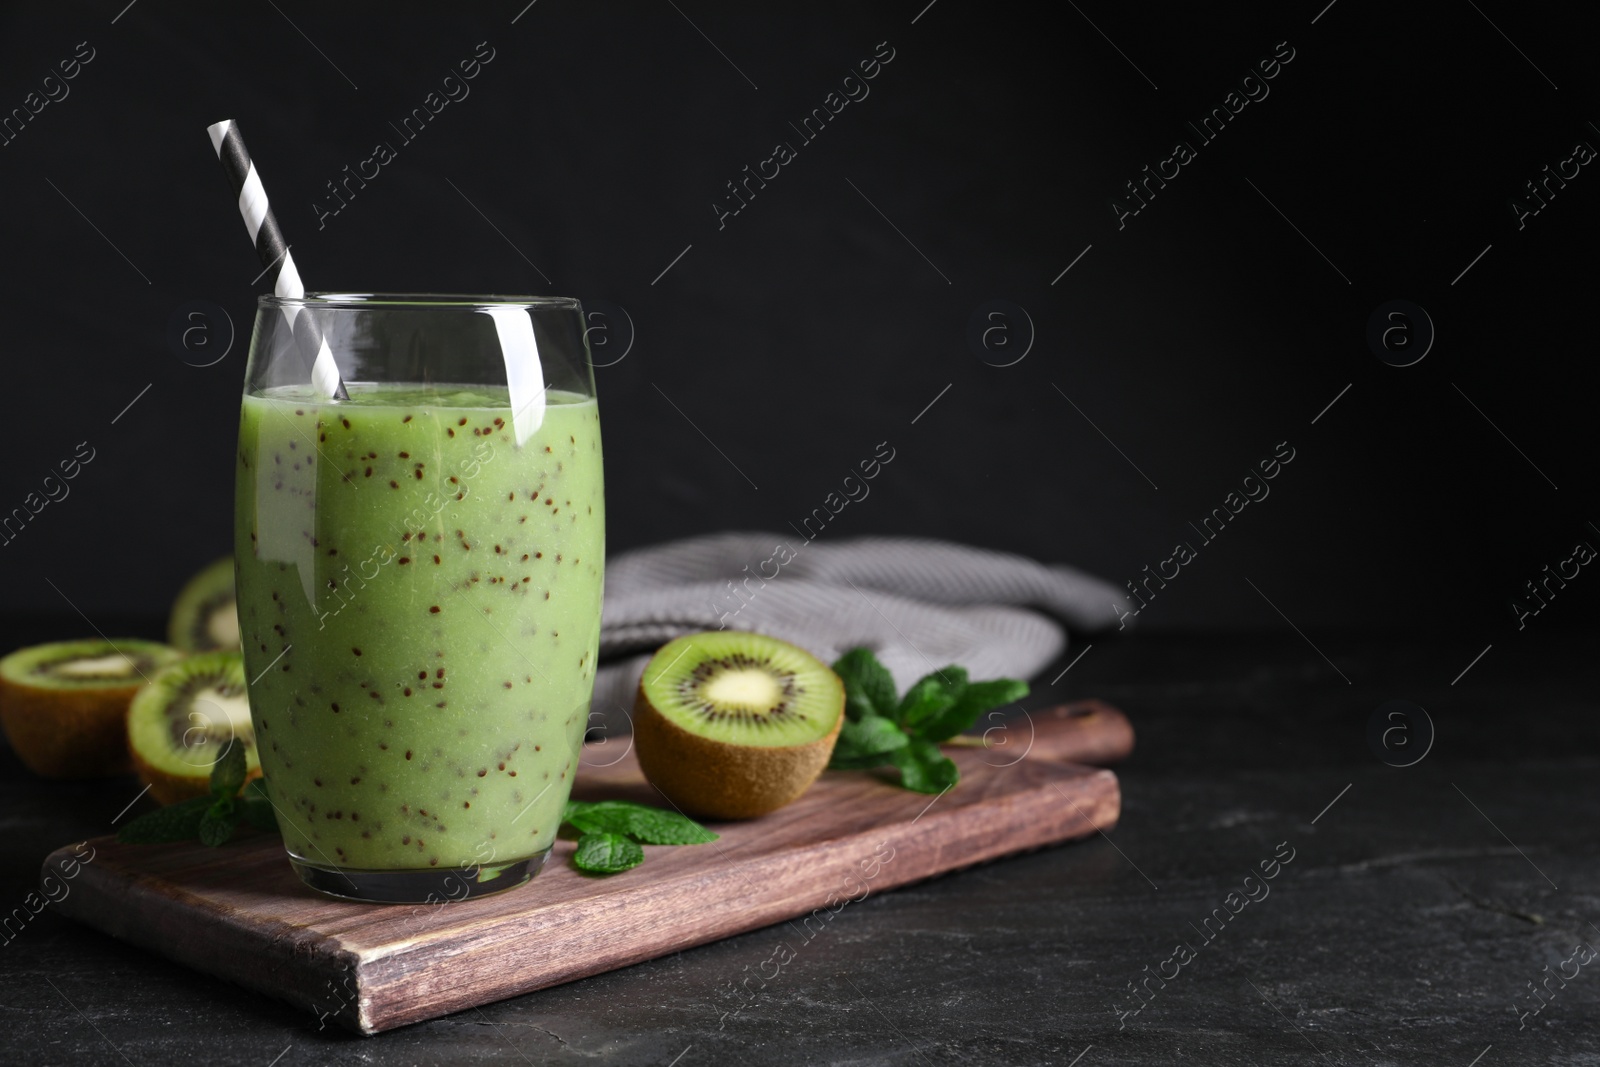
x=731 y=725
x=205 y=617
x=185 y=720
x=63 y=705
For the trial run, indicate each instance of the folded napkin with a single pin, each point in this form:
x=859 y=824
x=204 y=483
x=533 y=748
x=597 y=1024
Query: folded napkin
x=918 y=604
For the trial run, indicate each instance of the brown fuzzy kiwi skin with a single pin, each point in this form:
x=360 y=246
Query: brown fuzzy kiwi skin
x=719 y=780
x=68 y=733
x=174 y=789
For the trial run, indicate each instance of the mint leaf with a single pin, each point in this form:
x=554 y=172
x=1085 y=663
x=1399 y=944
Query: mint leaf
x=228 y=773
x=180 y=822
x=975 y=699
x=871 y=737
x=653 y=826
x=606 y=853
x=860 y=763
x=923 y=768
x=256 y=808
x=931 y=695
x=868 y=685
x=216 y=825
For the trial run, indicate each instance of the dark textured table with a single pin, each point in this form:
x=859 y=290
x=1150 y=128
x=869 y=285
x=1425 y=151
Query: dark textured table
x=1419 y=908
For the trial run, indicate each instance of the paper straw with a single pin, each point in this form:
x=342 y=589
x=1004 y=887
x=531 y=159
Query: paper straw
x=270 y=246
x=524 y=371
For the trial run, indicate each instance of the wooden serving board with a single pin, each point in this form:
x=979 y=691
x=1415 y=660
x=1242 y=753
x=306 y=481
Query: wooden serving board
x=241 y=913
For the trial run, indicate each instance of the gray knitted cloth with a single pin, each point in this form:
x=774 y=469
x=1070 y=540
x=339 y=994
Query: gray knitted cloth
x=918 y=604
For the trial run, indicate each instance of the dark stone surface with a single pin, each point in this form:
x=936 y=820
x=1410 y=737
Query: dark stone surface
x=1402 y=932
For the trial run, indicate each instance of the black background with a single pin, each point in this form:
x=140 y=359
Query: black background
x=808 y=329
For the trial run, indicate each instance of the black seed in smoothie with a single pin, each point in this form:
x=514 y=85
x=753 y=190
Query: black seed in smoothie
x=441 y=704
x=463 y=421
x=433 y=862
x=506 y=684
x=404 y=560
x=449 y=431
x=405 y=455
x=434 y=610
x=408 y=753
x=419 y=474
x=393 y=484
x=406 y=419
x=317 y=782
x=383 y=746
x=369 y=472
x=406 y=840
x=335 y=708
x=408 y=693
x=357 y=651
x=435 y=559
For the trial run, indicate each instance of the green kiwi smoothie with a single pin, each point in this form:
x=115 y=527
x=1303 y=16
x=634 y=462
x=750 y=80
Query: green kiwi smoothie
x=419 y=598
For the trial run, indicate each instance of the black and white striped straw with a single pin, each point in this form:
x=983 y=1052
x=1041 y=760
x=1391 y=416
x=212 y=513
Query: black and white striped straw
x=270 y=247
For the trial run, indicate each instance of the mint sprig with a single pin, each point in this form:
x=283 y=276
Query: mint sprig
x=610 y=832
x=881 y=729
x=210 y=819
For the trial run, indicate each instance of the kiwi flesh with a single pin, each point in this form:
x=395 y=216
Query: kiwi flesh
x=205 y=617
x=185 y=720
x=63 y=705
x=732 y=725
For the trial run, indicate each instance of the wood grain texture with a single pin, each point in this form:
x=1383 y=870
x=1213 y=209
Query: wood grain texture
x=241 y=913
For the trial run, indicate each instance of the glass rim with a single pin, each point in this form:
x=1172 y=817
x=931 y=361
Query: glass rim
x=354 y=301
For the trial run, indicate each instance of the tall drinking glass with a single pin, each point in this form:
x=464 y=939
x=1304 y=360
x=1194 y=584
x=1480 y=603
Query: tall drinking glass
x=419 y=583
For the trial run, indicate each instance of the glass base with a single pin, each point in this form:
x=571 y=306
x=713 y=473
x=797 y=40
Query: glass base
x=431 y=885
